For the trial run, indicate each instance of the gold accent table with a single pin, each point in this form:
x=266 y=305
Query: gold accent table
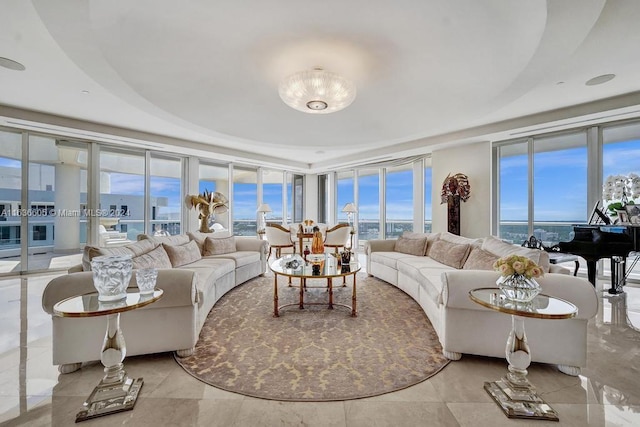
x=116 y=392
x=328 y=269
x=514 y=393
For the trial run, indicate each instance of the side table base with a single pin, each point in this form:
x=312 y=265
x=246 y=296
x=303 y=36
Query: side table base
x=110 y=398
x=519 y=403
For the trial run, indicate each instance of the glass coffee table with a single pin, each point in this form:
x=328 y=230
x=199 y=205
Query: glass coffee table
x=116 y=392
x=325 y=266
x=514 y=393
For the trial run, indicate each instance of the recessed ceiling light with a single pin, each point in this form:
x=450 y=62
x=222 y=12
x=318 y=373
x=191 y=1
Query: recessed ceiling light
x=85 y=92
x=319 y=152
x=600 y=79
x=11 y=64
x=559 y=83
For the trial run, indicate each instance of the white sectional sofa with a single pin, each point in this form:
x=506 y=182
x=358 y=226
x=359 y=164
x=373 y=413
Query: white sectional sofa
x=438 y=271
x=195 y=271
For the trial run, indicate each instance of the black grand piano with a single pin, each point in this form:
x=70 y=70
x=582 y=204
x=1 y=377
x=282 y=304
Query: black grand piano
x=594 y=242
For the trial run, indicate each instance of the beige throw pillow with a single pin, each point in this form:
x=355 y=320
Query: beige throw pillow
x=480 y=260
x=503 y=249
x=411 y=246
x=183 y=254
x=448 y=253
x=213 y=246
x=157 y=258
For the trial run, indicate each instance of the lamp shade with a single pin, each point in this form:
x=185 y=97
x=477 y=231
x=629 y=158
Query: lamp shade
x=349 y=208
x=317 y=91
x=264 y=207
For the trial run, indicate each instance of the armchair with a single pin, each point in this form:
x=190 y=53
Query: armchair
x=337 y=236
x=278 y=237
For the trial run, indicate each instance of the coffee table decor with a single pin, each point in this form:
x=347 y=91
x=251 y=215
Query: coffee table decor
x=315 y=354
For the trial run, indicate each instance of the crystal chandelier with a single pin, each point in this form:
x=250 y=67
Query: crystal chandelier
x=317 y=91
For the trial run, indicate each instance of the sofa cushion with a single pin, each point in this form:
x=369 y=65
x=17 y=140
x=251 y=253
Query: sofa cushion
x=479 y=259
x=414 y=265
x=389 y=259
x=217 y=246
x=460 y=240
x=416 y=246
x=91 y=252
x=141 y=247
x=183 y=254
x=200 y=237
x=241 y=258
x=157 y=258
x=431 y=284
x=448 y=253
x=502 y=249
x=208 y=270
x=178 y=239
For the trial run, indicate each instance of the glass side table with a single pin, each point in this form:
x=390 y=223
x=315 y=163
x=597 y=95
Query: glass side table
x=514 y=393
x=116 y=392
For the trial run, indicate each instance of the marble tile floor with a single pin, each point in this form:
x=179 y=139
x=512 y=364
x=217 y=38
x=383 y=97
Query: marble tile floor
x=32 y=393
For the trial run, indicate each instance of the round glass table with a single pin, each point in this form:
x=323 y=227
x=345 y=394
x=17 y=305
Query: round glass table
x=324 y=266
x=116 y=392
x=514 y=393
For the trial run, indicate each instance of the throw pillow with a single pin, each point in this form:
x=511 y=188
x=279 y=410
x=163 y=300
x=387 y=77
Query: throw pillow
x=157 y=258
x=183 y=254
x=502 y=249
x=213 y=246
x=479 y=260
x=415 y=246
x=448 y=253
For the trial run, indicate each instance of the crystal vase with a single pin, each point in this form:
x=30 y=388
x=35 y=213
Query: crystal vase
x=518 y=288
x=111 y=275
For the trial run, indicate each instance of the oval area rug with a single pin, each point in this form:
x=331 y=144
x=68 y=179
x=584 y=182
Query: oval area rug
x=315 y=354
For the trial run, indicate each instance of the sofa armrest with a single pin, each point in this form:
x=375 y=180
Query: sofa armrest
x=558 y=269
x=179 y=288
x=456 y=285
x=75 y=269
x=252 y=245
x=379 y=246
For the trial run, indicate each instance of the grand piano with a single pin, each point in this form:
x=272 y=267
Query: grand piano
x=594 y=242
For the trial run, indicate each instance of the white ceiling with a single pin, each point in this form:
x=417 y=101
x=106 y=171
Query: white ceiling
x=203 y=74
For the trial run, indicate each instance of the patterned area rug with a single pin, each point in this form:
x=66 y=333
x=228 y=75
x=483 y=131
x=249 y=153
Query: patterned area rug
x=315 y=354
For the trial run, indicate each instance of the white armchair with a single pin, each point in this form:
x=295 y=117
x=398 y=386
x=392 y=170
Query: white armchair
x=337 y=236
x=111 y=237
x=278 y=237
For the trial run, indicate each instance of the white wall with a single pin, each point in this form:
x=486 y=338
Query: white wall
x=473 y=160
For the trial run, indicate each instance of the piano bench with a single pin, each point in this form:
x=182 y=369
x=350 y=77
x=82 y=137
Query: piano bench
x=559 y=257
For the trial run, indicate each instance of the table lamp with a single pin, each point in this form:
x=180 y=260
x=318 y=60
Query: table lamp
x=350 y=209
x=263 y=209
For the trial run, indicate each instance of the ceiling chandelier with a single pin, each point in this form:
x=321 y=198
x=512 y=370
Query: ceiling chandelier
x=317 y=91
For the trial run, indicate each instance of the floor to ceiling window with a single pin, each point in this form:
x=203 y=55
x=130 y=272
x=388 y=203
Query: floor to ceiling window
x=399 y=200
x=245 y=201
x=513 y=182
x=620 y=160
x=272 y=194
x=368 y=204
x=558 y=188
x=427 y=195
x=165 y=198
x=344 y=193
x=212 y=177
x=10 y=196
x=57 y=195
x=121 y=195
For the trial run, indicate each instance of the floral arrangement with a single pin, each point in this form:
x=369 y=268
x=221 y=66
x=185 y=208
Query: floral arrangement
x=207 y=203
x=518 y=265
x=620 y=190
x=456 y=185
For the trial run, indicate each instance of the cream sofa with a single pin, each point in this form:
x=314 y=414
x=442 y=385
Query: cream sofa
x=439 y=273
x=174 y=322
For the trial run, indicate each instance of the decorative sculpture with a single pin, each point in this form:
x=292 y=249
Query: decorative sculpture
x=454 y=189
x=208 y=204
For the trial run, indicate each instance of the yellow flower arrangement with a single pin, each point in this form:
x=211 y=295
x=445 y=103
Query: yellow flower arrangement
x=518 y=265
